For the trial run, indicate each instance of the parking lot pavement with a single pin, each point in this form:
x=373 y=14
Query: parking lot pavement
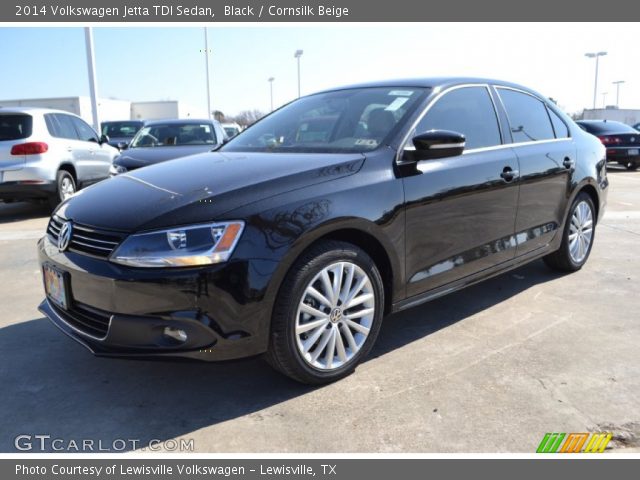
x=488 y=369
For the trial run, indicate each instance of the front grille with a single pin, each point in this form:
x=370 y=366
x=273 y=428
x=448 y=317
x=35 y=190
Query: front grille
x=88 y=240
x=87 y=319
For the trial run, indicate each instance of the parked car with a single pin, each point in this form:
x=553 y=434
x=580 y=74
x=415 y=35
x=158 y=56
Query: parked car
x=120 y=132
x=637 y=126
x=49 y=154
x=231 y=129
x=162 y=140
x=621 y=140
x=296 y=246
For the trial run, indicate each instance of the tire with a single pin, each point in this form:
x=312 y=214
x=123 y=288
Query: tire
x=581 y=220
x=65 y=187
x=631 y=166
x=286 y=351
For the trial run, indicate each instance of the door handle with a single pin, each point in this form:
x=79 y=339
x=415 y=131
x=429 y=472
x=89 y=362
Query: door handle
x=568 y=163
x=69 y=149
x=508 y=174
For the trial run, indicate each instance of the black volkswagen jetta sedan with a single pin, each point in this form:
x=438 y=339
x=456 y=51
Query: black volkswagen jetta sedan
x=299 y=235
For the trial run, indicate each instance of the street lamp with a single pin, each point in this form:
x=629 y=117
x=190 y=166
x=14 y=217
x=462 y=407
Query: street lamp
x=206 y=62
x=595 y=85
x=604 y=99
x=617 y=84
x=271 y=79
x=297 y=55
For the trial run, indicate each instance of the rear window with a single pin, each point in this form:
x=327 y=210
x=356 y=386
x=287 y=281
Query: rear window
x=15 y=126
x=606 y=127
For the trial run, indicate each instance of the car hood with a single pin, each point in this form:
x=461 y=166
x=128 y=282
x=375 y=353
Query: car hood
x=142 y=156
x=200 y=188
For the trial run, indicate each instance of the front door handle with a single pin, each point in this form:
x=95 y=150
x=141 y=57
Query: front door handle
x=568 y=163
x=508 y=174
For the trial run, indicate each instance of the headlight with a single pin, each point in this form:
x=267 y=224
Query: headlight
x=180 y=247
x=117 y=169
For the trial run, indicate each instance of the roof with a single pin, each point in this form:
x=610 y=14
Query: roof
x=433 y=82
x=32 y=110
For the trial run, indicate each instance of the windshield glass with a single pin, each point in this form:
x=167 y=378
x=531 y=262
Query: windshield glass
x=343 y=121
x=174 y=134
x=120 y=129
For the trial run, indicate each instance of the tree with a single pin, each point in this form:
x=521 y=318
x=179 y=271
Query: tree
x=248 y=117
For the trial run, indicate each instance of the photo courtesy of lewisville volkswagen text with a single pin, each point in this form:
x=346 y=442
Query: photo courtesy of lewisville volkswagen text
x=269 y=238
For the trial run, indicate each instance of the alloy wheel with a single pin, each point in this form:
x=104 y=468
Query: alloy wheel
x=580 y=232
x=335 y=316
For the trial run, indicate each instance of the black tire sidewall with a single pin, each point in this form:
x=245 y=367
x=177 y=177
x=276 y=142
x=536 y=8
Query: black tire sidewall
x=300 y=281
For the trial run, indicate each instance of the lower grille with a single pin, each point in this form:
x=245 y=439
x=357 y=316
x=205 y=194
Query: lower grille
x=87 y=319
x=84 y=239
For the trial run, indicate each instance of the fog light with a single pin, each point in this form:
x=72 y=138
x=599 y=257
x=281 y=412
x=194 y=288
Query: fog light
x=176 y=334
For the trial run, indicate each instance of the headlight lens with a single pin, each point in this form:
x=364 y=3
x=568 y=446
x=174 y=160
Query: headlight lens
x=117 y=169
x=180 y=247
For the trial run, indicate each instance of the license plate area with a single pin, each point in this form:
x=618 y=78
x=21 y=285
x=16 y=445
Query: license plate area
x=634 y=152
x=56 y=286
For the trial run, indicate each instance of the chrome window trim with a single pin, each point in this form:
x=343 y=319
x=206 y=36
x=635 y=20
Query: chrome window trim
x=405 y=140
x=435 y=100
x=544 y=103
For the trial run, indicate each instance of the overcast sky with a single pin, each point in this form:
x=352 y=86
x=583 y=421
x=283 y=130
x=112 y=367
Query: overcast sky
x=156 y=63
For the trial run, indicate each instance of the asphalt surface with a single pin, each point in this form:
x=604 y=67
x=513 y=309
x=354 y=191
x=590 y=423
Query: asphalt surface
x=488 y=369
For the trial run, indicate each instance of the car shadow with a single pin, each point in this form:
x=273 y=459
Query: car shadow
x=53 y=386
x=17 y=211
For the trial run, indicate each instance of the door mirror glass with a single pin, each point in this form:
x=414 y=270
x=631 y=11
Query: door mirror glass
x=435 y=144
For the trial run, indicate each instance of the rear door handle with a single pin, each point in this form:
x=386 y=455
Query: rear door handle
x=568 y=163
x=508 y=174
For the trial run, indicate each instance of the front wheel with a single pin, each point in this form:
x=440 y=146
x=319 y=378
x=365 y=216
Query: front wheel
x=327 y=315
x=577 y=238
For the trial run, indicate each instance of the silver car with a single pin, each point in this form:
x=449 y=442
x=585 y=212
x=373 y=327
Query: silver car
x=49 y=154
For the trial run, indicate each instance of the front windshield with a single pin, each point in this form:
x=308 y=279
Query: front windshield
x=353 y=120
x=174 y=134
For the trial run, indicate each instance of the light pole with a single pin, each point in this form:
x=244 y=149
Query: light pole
x=206 y=62
x=93 y=83
x=617 y=84
x=297 y=55
x=604 y=99
x=271 y=79
x=595 y=85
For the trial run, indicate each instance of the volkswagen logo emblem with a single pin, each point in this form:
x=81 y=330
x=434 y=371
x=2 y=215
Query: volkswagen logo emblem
x=64 y=237
x=633 y=139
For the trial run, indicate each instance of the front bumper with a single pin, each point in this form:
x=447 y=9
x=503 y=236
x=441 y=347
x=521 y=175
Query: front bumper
x=119 y=311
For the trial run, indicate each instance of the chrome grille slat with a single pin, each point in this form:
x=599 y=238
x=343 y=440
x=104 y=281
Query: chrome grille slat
x=113 y=244
x=86 y=240
x=78 y=242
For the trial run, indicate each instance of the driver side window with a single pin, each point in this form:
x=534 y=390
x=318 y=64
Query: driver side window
x=467 y=110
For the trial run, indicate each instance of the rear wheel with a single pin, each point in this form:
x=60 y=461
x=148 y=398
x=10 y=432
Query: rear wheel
x=632 y=165
x=327 y=315
x=577 y=237
x=65 y=187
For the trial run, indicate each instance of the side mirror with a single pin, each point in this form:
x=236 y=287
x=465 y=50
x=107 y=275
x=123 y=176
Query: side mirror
x=123 y=146
x=435 y=144
x=104 y=139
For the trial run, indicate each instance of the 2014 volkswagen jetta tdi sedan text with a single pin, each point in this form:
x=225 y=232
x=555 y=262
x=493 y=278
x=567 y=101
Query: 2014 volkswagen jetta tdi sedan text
x=295 y=238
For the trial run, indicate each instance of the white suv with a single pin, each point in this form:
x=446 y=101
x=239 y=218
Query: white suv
x=49 y=154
